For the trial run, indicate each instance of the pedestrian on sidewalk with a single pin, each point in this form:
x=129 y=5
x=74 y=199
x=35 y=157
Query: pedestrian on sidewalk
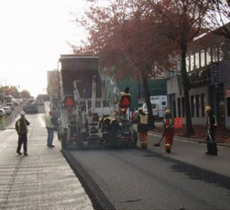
x=50 y=126
x=168 y=130
x=211 y=125
x=21 y=126
x=142 y=127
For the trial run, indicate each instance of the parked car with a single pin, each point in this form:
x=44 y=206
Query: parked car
x=7 y=110
x=2 y=112
x=11 y=105
x=40 y=101
x=15 y=103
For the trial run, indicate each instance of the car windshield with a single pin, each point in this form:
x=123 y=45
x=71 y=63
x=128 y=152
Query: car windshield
x=154 y=106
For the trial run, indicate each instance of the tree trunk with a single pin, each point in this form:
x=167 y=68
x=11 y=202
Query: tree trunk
x=186 y=87
x=147 y=98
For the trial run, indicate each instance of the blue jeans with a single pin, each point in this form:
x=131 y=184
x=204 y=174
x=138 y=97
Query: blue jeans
x=50 y=136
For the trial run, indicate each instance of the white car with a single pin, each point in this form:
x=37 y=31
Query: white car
x=2 y=112
x=7 y=110
x=11 y=105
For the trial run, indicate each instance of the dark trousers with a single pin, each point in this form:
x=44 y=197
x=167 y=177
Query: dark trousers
x=114 y=127
x=22 y=139
x=211 y=143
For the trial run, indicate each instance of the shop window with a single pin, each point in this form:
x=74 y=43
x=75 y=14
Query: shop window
x=202 y=58
x=209 y=56
x=222 y=50
x=215 y=53
x=183 y=108
x=228 y=50
x=179 y=107
x=197 y=60
x=192 y=62
x=228 y=107
x=192 y=105
x=188 y=63
x=197 y=106
x=203 y=102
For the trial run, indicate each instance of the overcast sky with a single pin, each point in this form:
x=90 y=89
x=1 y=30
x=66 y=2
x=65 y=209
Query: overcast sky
x=33 y=34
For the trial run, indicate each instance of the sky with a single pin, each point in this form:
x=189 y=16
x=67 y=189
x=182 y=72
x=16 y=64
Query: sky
x=33 y=35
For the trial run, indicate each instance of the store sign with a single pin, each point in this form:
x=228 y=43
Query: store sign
x=227 y=93
x=215 y=67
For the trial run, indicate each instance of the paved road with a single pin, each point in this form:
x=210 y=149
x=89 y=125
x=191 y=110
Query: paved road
x=193 y=153
x=43 y=180
x=152 y=179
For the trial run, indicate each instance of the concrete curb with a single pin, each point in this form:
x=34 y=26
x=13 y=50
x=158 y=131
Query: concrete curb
x=199 y=141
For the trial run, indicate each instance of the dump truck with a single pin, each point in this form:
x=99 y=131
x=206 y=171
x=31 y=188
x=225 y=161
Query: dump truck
x=84 y=104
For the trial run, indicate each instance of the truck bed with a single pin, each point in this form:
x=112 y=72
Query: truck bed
x=80 y=68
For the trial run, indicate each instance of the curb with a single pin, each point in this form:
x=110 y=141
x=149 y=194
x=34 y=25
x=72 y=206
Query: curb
x=200 y=141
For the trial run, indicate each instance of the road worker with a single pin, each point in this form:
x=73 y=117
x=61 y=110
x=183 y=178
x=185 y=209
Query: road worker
x=125 y=102
x=21 y=126
x=142 y=127
x=125 y=92
x=211 y=125
x=168 y=130
x=111 y=124
x=50 y=126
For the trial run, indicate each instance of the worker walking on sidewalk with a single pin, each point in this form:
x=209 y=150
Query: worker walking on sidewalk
x=211 y=126
x=22 y=130
x=3 y=121
x=142 y=127
x=168 y=130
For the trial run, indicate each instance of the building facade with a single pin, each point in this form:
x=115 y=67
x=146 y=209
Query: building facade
x=208 y=67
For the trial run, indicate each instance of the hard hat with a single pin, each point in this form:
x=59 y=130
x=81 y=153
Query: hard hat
x=207 y=108
x=140 y=109
x=22 y=113
x=167 y=111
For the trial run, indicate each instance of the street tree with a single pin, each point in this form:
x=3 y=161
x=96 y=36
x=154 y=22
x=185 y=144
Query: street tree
x=219 y=17
x=181 y=21
x=25 y=94
x=127 y=38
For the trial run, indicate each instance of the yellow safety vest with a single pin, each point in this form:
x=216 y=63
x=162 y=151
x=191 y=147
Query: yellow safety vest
x=49 y=124
x=143 y=119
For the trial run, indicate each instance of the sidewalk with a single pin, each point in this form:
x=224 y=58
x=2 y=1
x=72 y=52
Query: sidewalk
x=41 y=181
x=222 y=134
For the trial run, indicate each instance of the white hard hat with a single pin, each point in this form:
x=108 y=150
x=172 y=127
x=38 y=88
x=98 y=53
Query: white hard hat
x=22 y=113
x=167 y=111
x=140 y=109
x=207 y=108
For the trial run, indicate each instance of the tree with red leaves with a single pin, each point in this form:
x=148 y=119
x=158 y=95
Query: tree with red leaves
x=128 y=38
x=181 y=21
x=219 y=17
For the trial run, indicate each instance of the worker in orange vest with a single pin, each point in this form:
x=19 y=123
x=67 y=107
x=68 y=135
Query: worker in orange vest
x=168 y=130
